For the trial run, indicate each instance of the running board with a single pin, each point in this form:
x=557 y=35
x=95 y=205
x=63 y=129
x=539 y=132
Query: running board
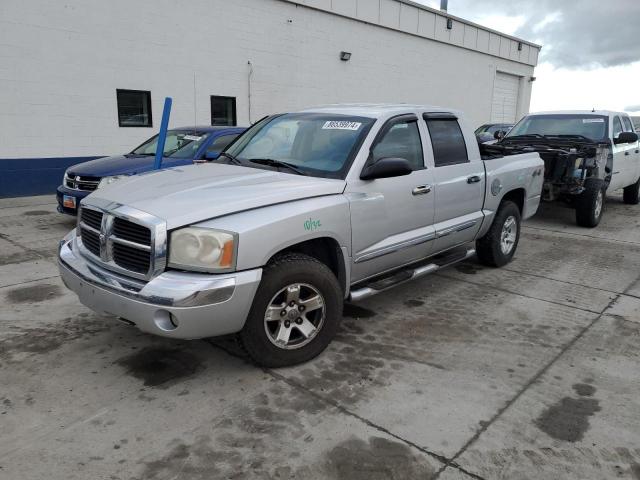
x=381 y=284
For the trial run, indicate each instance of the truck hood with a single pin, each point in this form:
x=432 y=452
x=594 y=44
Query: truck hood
x=129 y=164
x=194 y=193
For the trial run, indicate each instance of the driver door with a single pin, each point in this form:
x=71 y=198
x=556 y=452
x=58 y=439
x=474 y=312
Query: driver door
x=623 y=158
x=392 y=218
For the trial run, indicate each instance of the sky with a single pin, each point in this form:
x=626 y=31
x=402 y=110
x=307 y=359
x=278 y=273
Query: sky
x=590 y=48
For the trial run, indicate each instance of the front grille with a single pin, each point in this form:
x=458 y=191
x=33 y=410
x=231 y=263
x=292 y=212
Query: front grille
x=131 y=258
x=132 y=232
x=91 y=241
x=91 y=218
x=84 y=183
x=122 y=245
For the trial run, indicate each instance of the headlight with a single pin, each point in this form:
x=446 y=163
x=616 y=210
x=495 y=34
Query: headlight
x=202 y=249
x=109 y=180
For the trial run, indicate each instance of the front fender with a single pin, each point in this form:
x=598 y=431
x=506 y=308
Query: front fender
x=263 y=232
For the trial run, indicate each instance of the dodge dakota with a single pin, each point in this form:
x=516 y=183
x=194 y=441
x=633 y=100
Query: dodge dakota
x=303 y=211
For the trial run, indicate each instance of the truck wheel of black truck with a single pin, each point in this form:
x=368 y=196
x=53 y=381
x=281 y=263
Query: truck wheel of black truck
x=295 y=313
x=590 y=203
x=499 y=244
x=631 y=194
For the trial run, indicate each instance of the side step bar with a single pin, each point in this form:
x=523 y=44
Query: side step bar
x=374 y=287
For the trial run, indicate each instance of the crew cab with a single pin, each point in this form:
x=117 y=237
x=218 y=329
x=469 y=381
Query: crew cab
x=303 y=211
x=586 y=155
x=182 y=147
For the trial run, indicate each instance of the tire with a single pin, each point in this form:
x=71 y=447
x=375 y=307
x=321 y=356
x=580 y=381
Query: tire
x=264 y=340
x=631 y=194
x=499 y=244
x=590 y=203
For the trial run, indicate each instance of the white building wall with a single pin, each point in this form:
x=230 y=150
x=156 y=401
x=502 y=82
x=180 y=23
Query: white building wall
x=61 y=63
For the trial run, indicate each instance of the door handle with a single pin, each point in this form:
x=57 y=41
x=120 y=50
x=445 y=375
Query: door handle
x=474 y=179
x=421 y=190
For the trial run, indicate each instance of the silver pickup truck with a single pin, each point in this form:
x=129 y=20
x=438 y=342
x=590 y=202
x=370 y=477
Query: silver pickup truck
x=303 y=211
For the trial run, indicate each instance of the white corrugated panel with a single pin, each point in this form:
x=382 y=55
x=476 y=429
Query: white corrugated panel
x=506 y=90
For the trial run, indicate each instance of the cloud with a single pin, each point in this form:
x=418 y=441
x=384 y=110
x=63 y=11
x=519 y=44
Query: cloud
x=632 y=108
x=580 y=34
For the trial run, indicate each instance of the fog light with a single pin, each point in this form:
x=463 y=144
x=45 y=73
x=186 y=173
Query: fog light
x=165 y=321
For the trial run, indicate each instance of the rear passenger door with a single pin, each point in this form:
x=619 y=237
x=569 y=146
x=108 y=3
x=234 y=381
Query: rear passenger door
x=459 y=183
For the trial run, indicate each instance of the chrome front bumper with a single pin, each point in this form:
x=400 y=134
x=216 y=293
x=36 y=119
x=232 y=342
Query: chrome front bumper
x=173 y=304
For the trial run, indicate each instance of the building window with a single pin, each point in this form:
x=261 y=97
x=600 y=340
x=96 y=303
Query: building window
x=134 y=108
x=223 y=110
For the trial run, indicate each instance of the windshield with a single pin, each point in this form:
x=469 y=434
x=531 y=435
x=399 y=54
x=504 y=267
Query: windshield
x=493 y=128
x=315 y=144
x=594 y=127
x=179 y=144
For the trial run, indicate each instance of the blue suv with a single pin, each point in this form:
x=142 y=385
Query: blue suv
x=182 y=147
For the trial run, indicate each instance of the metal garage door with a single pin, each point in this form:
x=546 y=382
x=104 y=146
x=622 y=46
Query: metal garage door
x=504 y=106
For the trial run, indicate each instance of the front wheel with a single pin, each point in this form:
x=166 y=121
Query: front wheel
x=295 y=313
x=590 y=203
x=499 y=244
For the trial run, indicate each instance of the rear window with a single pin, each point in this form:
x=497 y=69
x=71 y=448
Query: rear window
x=449 y=147
x=593 y=127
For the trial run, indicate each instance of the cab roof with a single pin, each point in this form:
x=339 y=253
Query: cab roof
x=206 y=128
x=607 y=113
x=376 y=110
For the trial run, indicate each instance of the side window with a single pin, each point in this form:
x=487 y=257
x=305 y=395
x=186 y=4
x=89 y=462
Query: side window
x=628 y=126
x=617 y=127
x=402 y=140
x=449 y=147
x=221 y=143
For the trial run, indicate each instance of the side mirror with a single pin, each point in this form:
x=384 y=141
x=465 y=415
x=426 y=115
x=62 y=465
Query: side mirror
x=386 y=168
x=499 y=135
x=211 y=155
x=626 y=137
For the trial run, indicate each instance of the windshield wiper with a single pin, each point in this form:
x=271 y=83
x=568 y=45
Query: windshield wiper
x=233 y=159
x=580 y=137
x=528 y=135
x=276 y=163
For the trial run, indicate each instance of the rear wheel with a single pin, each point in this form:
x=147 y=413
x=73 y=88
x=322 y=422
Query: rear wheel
x=631 y=194
x=590 y=203
x=499 y=244
x=295 y=313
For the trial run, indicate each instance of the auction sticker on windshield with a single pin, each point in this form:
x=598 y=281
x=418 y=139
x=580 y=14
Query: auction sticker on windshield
x=341 y=125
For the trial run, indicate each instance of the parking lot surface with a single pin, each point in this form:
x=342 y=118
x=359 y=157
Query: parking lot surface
x=527 y=372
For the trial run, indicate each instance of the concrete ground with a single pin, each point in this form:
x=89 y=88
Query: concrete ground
x=531 y=371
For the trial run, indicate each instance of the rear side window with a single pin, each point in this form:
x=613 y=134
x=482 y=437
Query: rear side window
x=402 y=140
x=449 y=147
x=617 y=127
x=628 y=126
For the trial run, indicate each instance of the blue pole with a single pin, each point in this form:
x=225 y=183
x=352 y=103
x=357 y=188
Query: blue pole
x=162 y=136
